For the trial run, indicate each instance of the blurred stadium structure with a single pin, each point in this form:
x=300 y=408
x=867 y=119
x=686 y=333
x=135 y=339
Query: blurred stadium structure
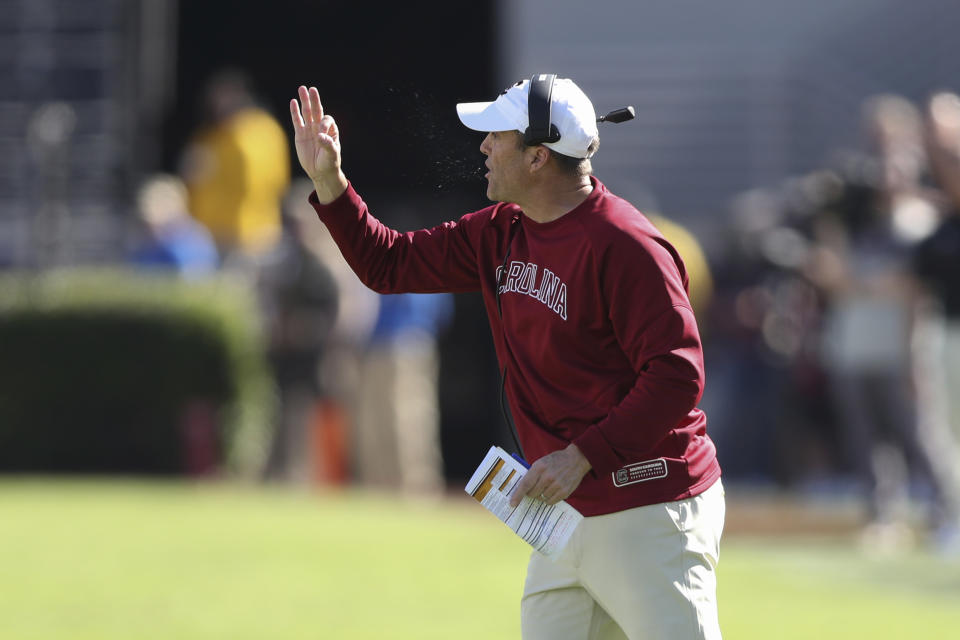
x=85 y=87
x=730 y=96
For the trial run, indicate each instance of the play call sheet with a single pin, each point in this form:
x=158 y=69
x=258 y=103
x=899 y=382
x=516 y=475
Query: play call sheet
x=547 y=528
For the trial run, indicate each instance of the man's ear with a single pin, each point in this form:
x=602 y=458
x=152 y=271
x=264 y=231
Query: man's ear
x=538 y=158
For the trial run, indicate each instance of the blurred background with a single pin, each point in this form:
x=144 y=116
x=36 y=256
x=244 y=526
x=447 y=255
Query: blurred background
x=171 y=309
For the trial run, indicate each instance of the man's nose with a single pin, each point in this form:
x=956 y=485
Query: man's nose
x=485 y=145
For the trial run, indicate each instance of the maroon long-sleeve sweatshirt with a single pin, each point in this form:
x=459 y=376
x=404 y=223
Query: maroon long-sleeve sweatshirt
x=597 y=337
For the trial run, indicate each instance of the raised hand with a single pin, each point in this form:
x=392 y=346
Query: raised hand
x=317 y=139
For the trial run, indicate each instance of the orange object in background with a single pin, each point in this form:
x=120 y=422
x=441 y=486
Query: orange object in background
x=328 y=444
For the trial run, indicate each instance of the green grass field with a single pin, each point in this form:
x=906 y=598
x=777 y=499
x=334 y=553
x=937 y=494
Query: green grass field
x=138 y=560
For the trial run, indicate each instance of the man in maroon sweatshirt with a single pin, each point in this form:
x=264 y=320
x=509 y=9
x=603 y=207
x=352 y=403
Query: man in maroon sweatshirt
x=600 y=353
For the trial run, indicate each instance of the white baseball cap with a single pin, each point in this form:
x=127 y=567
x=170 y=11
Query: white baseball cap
x=571 y=111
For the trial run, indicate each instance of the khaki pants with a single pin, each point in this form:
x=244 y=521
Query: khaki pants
x=397 y=432
x=645 y=573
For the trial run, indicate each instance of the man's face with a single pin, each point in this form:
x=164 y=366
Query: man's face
x=505 y=160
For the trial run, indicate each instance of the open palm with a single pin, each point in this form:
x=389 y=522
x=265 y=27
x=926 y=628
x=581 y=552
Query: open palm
x=316 y=135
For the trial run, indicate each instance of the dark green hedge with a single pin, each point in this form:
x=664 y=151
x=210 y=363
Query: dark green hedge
x=97 y=370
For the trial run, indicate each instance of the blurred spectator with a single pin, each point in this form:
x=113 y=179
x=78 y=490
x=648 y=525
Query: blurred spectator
x=172 y=239
x=937 y=264
x=398 y=423
x=237 y=169
x=300 y=301
x=686 y=244
x=762 y=319
x=861 y=262
x=339 y=383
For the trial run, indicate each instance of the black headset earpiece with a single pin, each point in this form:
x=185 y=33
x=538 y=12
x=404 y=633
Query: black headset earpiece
x=539 y=104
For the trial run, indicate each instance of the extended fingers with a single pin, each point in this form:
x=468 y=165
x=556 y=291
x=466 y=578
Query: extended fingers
x=310 y=99
x=305 y=103
x=311 y=112
x=316 y=109
x=298 y=123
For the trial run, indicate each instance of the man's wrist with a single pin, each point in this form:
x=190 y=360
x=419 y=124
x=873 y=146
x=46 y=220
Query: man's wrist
x=329 y=186
x=582 y=462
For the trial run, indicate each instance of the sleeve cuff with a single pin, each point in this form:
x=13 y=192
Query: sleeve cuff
x=349 y=199
x=598 y=451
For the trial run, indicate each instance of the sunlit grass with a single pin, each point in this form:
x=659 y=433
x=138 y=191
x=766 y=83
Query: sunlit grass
x=120 y=560
x=790 y=590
